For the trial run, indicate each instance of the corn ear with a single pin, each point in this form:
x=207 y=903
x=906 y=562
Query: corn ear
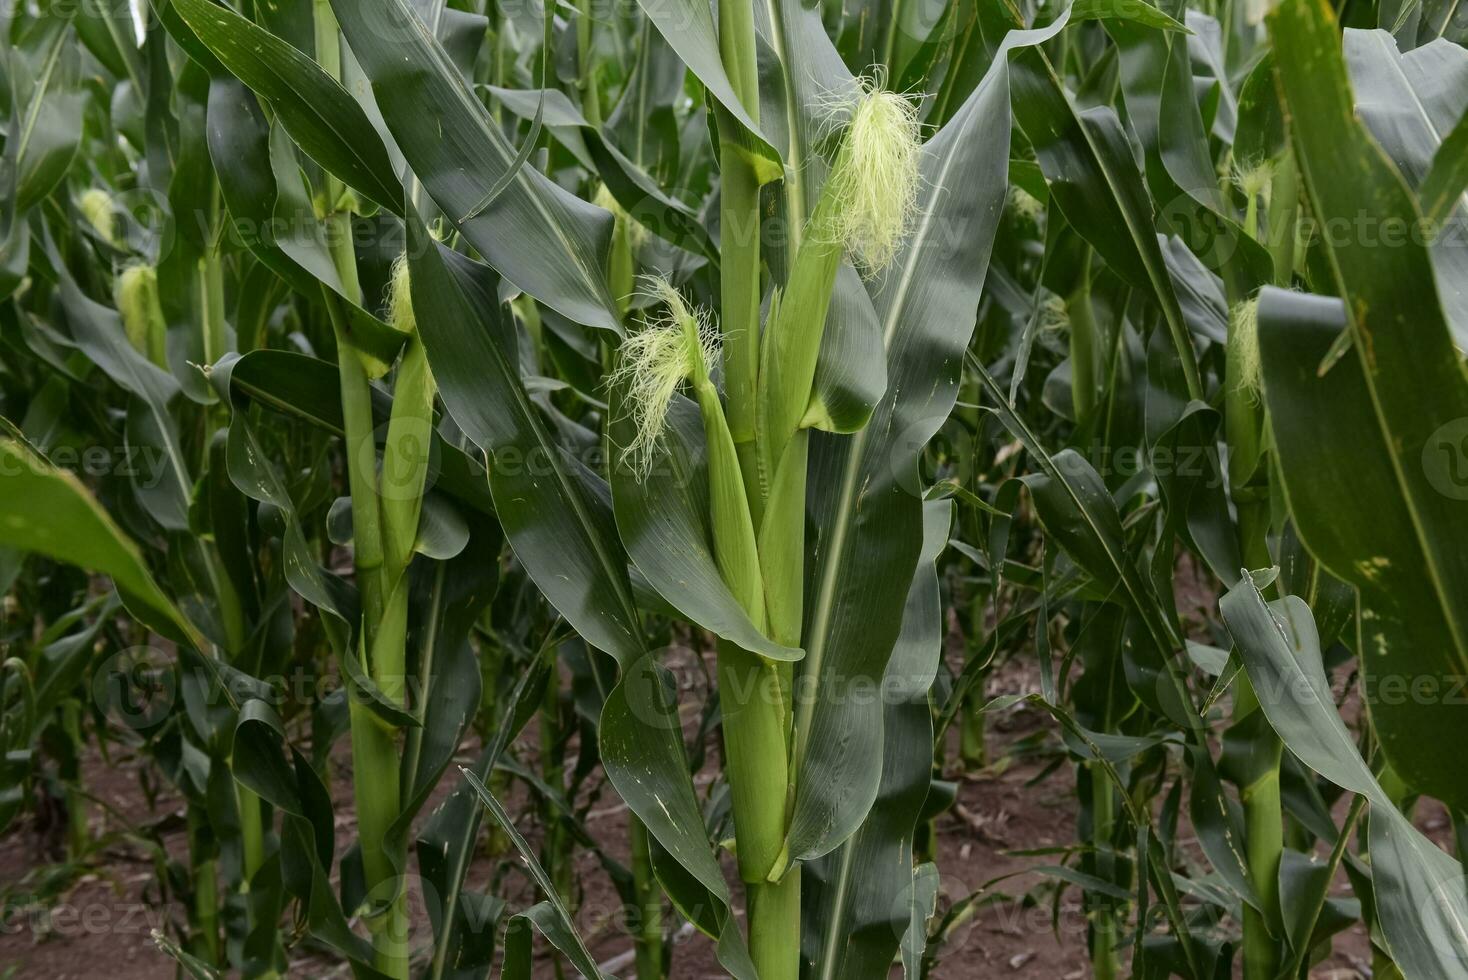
x=864 y=211
x=142 y=313
x=95 y=205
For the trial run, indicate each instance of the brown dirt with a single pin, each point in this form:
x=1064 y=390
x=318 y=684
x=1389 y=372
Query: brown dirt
x=100 y=925
x=101 y=921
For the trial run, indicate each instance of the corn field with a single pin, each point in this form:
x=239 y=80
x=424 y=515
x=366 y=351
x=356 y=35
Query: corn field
x=600 y=488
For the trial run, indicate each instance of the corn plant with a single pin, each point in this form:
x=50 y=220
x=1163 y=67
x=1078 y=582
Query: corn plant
x=489 y=352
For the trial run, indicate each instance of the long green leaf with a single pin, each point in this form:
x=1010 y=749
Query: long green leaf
x=551 y=916
x=259 y=178
x=48 y=511
x=1406 y=389
x=1419 y=892
x=1410 y=103
x=537 y=235
x=321 y=116
x=870 y=511
x=853 y=922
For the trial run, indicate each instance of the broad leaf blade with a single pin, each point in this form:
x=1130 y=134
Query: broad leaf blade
x=321 y=116
x=47 y=510
x=871 y=517
x=1406 y=377
x=537 y=235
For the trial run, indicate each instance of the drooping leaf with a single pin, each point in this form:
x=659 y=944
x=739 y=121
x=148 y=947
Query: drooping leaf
x=259 y=179
x=48 y=511
x=1410 y=103
x=1423 y=908
x=550 y=917
x=537 y=235
x=320 y=115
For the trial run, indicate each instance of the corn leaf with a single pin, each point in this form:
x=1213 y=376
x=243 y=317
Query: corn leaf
x=1406 y=387
x=871 y=517
x=48 y=511
x=853 y=935
x=1410 y=105
x=259 y=179
x=1418 y=887
x=320 y=115
x=688 y=27
x=275 y=770
x=1157 y=79
x=1095 y=181
x=550 y=917
x=537 y=235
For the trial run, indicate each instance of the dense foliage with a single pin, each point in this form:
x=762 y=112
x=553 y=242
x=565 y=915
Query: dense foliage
x=518 y=406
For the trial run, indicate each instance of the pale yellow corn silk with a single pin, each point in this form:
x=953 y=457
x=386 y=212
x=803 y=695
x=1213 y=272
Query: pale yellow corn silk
x=677 y=344
x=1243 y=337
x=1252 y=179
x=95 y=205
x=875 y=178
x=400 y=298
x=1054 y=313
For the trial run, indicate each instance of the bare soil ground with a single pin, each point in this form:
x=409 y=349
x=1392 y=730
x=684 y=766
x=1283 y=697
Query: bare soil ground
x=99 y=924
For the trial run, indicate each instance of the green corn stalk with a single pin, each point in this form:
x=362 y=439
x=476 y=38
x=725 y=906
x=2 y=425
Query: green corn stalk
x=211 y=288
x=739 y=221
x=753 y=691
x=1104 y=960
x=648 y=924
x=385 y=515
x=552 y=771
x=587 y=80
x=1085 y=345
x=759 y=543
x=1244 y=425
x=862 y=210
x=206 y=890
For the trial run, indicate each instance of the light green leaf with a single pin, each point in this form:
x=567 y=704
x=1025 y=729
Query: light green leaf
x=47 y=510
